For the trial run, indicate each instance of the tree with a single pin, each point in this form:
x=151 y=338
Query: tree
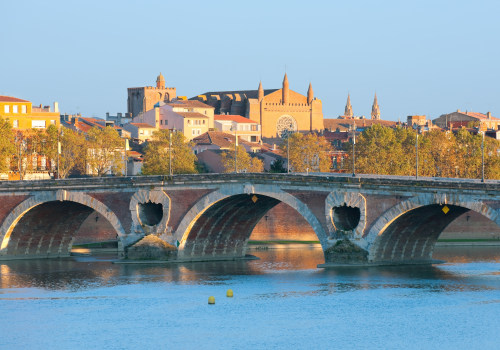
x=7 y=146
x=104 y=151
x=245 y=163
x=73 y=153
x=157 y=154
x=307 y=152
x=278 y=166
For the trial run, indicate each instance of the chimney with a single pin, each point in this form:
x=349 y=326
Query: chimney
x=274 y=147
x=488 y=115
x=56 y=107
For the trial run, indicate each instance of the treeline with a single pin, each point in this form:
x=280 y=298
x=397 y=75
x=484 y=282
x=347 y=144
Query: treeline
x=388 y=151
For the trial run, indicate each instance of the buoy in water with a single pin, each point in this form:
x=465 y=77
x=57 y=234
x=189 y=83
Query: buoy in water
x=211 y=300
x=229 y=293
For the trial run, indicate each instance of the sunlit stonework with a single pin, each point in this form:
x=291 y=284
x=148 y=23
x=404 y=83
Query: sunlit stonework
x=286 y=123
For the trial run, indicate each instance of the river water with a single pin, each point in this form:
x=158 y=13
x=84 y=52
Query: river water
x=281 y=301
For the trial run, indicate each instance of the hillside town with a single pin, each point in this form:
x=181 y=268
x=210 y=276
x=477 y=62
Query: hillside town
x=261 y=130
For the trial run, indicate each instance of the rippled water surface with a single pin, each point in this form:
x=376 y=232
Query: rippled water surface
x=280 y=301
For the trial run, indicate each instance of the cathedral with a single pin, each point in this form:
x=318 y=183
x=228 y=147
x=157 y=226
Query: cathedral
x=142 y=99
x=276 y=110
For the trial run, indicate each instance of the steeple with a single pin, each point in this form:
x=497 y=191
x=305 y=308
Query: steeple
x=348 y=107
x=160 y=82
x=375 y=109
x=286 y=91
x=310 y=94
x=261 y=92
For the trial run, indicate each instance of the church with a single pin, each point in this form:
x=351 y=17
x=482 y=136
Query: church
x=276 y=110
x=143 y=99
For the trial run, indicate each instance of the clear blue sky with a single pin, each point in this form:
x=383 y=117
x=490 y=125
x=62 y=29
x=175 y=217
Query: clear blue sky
x=421 y=57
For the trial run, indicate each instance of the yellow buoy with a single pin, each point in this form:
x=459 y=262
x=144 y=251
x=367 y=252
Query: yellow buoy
x=229 y=293
x=211 y=300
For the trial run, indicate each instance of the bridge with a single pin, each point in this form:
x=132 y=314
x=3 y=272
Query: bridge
x=358 y=220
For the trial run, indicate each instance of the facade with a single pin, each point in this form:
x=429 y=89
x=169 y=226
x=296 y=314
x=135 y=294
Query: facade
x=140 y=131
x=245 y=128
x=24 y=115
x=143 y=99
x=416 y=120
x=458 y=119
x=193 y=118
x=276 y=110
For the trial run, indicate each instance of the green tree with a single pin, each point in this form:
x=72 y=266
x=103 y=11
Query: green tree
x=105 y=150
x=245 y=163
x=73 y=153
x=278 y=166
x=7 y=146
x=307 y=152
x=157 y=154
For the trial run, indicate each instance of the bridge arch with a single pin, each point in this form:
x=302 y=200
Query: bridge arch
x=49 y=203
x=339 y=210
x=408 y=231
x=221 y=222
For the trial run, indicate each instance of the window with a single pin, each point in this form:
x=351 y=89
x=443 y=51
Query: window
x=53 y=122
x=204 y=122
x=14 y=109
x=6 y=109
x=15 y=123
x=23 y=109
x=161 y=122
x=38 y=124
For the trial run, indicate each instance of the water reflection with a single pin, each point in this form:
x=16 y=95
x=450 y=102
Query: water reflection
x=80 y=273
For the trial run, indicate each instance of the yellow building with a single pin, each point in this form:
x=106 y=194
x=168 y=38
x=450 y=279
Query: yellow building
x=24 y=116
x=276 y=110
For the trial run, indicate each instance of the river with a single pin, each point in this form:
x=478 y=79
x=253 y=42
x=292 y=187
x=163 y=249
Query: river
x=281 y=301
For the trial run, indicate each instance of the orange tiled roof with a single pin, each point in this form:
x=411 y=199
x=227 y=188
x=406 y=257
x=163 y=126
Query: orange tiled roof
x=217 y=138
x=189 y=103
x=11 y=99
x=192 y=115
x=234 y=118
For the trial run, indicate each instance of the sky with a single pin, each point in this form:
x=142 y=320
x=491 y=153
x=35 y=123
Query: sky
x=420 y=57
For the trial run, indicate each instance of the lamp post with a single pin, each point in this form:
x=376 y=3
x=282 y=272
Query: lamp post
x=236 y=148
x=170 y=152
x=482 y=158
x=287 y=151
x=353 y=149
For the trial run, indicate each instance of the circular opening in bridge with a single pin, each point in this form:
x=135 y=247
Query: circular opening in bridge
x=345 y=218
x=150 y=213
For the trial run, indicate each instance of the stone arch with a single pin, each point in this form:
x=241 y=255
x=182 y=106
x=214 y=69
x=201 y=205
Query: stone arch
x=156 y=196
x=268 y=196
x=348 y=199
x=418 y=221
x=40 y=198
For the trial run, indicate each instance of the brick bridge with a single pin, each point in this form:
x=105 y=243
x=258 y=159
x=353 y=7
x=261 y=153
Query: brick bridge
x=358 y=220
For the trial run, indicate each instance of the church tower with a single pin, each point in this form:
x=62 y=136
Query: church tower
x=160 y=82
x=286 y=90
x=310 y=94
x=348 y=107
x=375 y=109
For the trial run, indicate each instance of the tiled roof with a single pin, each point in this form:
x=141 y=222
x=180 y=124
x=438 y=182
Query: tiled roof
x=247 y=93
x=217 y=138
x=234 y=118
x=143 y=125
x=189 y=103
x=191 y=115
x=11 y=99
x=480 y=116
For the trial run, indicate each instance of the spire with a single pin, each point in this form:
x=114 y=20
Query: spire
x=261 y=92
x=348 y=107
x=285 y=90
x=375 y=109
x=160 y=82
x=310 y=94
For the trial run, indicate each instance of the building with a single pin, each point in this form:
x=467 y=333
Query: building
x=416 y=120
x=192 y=118
x=245 y=128
x=143 y=99
x=276 y=110
x=140 y=131
x=119 y=119
x=24 y=115
x=375 y=115
x=467 y=119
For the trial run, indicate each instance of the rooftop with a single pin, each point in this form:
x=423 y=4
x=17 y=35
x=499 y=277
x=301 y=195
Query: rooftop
x=234 y=118
x=189 y=103
x=11 y=99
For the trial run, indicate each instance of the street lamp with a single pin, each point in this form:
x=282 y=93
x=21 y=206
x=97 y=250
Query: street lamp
x=353 y=149
x=170 y=152
x=416 y=152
